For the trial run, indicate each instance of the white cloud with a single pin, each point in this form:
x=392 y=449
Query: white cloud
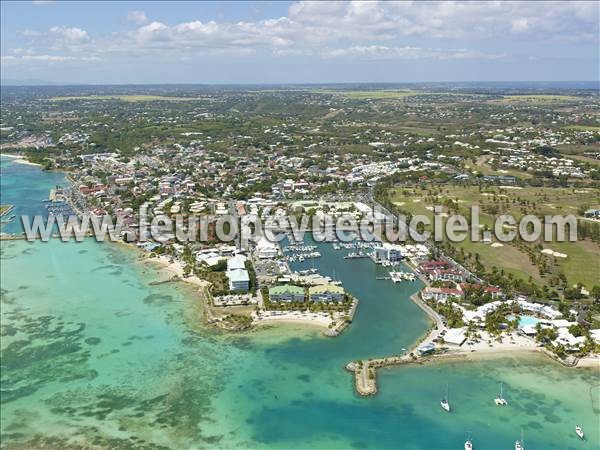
x=46 y=59
x=382 y=52
x=137 y=17
x=29 y=33
x=70 y=35
x=343 y=30
x=520 y=25
x=312 y=27
x=58 y=58
x=452 y=19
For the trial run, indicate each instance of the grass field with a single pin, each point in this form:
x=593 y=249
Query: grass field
x=582 y=262
x=582 y=128
x=535 y=98
x=369 y=94
x=384 y=94
x=482 y=166
x=124 y=98
x=582 y=265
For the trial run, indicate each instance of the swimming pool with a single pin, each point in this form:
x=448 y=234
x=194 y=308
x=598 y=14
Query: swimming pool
x=526 y=320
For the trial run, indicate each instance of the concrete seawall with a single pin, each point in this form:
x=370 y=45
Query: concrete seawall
x=365 y=371
x=337 y=330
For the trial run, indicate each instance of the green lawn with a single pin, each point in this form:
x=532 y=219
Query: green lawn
x=541 y=98
x=582 y=127
x=369 y=94
x=582 y=262
x=582 y=265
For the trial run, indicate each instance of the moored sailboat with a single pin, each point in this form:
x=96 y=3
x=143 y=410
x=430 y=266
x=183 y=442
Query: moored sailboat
x=444 y=403
x=519 y=444
x=469 y=443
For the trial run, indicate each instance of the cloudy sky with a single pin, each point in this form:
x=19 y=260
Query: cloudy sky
x=298 y=42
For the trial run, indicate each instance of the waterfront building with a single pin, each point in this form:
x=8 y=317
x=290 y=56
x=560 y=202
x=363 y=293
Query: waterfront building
x=426 y=349
x=236 y=262
x=493 y=291
x=286 y=293
x=440 y=294
x=387 y=252
x=326 y=293
x=447 y=275
x=455 y=336
x=538 y=308
x=210 y=257
x=266 y=249
x=239 y=280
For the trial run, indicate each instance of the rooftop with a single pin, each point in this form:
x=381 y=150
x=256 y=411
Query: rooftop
x=323 y=288
x=286 y=289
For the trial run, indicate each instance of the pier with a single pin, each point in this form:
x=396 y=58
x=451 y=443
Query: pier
x=365 y=371
x=401 y=276
x=356 y=256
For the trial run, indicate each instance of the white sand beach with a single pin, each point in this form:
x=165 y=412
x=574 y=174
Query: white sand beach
x=19 y=159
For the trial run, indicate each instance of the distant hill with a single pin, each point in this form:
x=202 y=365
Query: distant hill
x=30 y=82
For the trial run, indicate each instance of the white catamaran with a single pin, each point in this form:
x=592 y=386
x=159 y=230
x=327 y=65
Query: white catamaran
x=500 y=400
x=444 y=403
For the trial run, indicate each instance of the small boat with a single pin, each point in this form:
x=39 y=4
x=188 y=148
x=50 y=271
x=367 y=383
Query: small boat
x=469 y=442
x=519 y=444
x=579 y=432
x=500 y=400
x=444 y=403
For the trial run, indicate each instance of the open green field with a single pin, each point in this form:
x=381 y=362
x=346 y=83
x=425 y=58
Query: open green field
x=537 y=98
x=124 y=98
x=482 y=166
x=384 y=93
x=369 y=94
x=582 y=262
x=507 y=200
x=582 y=127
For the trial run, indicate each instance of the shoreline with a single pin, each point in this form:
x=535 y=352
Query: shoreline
x=365 y=371
x=291 y=321
x=175 y=268
x=19 y=159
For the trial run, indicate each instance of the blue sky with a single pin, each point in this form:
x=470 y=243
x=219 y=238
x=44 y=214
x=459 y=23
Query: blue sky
x=298 y=42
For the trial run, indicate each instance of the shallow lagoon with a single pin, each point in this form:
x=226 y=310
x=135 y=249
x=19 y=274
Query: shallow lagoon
x=93 y=354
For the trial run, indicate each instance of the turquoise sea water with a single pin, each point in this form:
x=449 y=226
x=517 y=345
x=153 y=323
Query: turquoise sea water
x=92 y=354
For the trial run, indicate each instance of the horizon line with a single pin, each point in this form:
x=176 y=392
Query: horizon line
x=83 y=84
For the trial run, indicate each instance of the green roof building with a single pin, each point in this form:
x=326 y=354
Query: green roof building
x=286 y=293
x=326 y=293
